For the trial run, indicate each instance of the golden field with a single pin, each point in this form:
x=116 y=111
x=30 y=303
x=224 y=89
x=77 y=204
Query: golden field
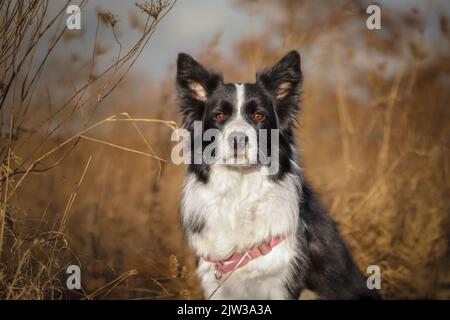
x=91 y=182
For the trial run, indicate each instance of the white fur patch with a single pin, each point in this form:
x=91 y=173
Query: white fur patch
x=240 y=95
x=241 y=210
x=238 y=124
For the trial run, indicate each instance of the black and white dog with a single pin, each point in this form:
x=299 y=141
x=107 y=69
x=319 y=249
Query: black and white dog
x=257 y=234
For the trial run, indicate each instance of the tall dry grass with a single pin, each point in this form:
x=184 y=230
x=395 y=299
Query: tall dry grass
x=39 y=134
x=107 y=198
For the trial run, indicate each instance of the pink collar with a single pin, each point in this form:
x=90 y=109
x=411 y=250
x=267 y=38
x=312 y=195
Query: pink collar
x=240 y=259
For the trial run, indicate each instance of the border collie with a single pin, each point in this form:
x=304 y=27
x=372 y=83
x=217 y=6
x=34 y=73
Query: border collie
x=257 y=234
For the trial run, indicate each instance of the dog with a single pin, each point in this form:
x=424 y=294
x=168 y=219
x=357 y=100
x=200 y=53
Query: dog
x=257 y=234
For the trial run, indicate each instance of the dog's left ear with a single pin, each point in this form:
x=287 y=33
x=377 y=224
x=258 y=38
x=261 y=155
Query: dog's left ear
x=195 y=81
x=283 y=80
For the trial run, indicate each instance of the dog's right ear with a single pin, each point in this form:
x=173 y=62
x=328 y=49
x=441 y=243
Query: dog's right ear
x=193 y=80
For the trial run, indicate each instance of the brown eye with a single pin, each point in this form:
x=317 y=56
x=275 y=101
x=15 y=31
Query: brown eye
x=219 y=117
x=258 y=116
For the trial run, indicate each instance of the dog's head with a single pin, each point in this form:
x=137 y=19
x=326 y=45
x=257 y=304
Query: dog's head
x=239 y=111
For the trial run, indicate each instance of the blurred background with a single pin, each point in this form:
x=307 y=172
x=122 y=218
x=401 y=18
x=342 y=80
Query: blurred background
x=86 y=117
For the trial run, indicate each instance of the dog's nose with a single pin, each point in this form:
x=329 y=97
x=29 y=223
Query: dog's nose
x=238 y=140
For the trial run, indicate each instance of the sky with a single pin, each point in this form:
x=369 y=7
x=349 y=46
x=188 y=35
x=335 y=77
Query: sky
x=193 y=23
x=188 y=27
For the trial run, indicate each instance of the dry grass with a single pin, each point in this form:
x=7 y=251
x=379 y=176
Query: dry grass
x=105 y=196
x=34 y=247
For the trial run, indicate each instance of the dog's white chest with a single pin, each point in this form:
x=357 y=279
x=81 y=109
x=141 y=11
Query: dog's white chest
x=240 y=211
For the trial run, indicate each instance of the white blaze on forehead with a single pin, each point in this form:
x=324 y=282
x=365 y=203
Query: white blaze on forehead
x=240 y=94
x=239 y=124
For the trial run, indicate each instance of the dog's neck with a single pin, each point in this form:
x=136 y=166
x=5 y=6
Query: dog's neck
x=245 y=170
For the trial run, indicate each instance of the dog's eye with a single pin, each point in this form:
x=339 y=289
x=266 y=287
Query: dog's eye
x=219 y=116
x=258 y=116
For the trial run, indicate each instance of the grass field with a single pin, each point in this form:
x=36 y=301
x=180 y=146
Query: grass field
x=107 y=198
